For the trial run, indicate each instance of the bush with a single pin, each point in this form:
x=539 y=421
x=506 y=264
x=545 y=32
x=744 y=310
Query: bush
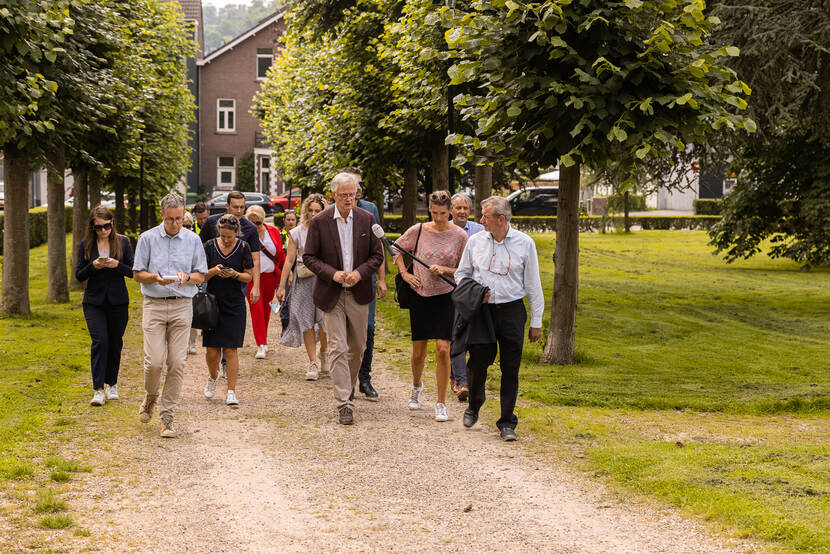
x=708 y=206
x=636 y=203
x=38 y=226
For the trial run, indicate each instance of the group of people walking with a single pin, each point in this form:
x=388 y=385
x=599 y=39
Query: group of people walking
x=323 y=274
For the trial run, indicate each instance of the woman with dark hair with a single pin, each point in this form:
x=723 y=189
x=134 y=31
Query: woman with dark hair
x=305 y=317
x=230 y=262
x=105 y=258
x=440 y=244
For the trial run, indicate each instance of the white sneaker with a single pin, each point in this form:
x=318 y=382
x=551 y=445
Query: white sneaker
x=325 y=369
x=441 y=412
x=111 y=392
x=99 y=398
x=313 y=372
x=192 y=349
x=231 y=400
x=260 y=352
x=415 y=397
x=210 y=388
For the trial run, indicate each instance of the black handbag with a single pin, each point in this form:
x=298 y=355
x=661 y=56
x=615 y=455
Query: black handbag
x=403 y=292
x=205 y=311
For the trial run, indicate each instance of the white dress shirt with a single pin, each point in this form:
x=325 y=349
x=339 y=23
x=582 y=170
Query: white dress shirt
x=265 y=263
x=510 y=269
x=345 y=228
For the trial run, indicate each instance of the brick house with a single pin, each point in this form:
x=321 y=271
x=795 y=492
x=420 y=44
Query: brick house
x=229 y=77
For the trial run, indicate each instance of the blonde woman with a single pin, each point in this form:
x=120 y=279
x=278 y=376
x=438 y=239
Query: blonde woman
x=304 y=316
x=271 y=261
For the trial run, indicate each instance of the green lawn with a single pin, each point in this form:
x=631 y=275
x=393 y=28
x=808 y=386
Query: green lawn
x=697 y=383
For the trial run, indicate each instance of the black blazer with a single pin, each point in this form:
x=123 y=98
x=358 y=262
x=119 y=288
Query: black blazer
x=106 y=286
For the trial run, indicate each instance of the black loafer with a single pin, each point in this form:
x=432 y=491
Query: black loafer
x=470 y=418
x=508 y=434
x=370 y=392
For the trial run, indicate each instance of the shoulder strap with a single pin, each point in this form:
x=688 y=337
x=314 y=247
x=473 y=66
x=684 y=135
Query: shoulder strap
x=418 y=238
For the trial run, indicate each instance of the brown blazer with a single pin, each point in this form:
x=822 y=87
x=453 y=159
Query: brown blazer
x=322 y=256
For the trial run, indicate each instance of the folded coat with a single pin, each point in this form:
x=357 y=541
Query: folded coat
x=473 y=325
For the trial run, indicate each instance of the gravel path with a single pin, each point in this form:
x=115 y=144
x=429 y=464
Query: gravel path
x=280 y=474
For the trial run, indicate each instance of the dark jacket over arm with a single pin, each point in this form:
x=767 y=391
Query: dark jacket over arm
x=322 y=256
x=473 y=325
x=105 y=286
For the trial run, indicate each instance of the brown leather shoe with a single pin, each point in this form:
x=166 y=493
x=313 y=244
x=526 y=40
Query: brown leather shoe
x=463 y=393
x=346 y=416
x=453 y=387
x=145 y=413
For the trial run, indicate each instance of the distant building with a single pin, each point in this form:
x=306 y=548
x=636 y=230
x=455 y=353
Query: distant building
x=228 y=79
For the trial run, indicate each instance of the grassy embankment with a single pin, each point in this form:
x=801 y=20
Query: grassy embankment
x=45 y=417
x=700 y=384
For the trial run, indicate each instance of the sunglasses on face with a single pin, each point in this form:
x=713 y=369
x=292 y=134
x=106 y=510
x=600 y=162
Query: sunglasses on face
x=105 y=226
x=188 y=226
x=257 y=223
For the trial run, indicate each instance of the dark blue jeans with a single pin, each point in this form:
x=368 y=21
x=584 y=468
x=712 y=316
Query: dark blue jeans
x=365 y=373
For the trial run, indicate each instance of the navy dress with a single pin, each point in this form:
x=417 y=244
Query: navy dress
x=230 y=332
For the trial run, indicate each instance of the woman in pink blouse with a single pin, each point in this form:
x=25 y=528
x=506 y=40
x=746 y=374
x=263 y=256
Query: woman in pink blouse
x=440 y=244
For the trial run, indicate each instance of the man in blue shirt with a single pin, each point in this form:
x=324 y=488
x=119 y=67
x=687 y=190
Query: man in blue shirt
x=460 y=209
x=169 y=263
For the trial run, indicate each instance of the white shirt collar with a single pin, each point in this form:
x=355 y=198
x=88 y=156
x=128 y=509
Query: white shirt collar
x=163 y=232
x=338 y=216
x=510 y=233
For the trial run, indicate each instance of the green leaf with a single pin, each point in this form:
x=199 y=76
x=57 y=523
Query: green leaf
x=732 y=51
x=566 y=160
x=633 y=4
x=641 y=153
x=750 y=125
x=514 y=111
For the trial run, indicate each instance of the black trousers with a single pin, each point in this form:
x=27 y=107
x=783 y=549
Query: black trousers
x=106 y=326
x=509 y=324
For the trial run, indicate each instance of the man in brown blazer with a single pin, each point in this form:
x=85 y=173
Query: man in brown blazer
x=344 y=253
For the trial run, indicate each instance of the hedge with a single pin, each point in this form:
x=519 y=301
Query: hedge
x=38 y=226
x=636 y=203
x=708 y=206
x=547 y=224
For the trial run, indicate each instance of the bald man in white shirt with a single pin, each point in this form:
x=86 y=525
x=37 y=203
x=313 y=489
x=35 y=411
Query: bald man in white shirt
x=504 y=260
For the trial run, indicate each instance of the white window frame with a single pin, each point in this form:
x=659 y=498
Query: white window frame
x=258 y=56
x=226 y=110
x=221 y=168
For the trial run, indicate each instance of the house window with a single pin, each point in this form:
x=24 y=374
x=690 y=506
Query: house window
x=226 y=172
x=264 y=59
x=226 y=115
x=265 y=174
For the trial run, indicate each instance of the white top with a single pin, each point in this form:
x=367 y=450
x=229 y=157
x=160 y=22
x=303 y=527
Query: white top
x=299 y=235
x=265 y=263
x=345 y=228
x=510 y=269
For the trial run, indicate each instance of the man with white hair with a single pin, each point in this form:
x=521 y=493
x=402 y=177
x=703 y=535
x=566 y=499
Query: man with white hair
x=504 y=261
x=169 y=263
x=460 y=207
x=344 y=253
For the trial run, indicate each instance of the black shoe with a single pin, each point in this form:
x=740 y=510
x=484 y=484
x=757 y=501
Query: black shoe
x=370 y=392
x=470 y=418
x=508 y=434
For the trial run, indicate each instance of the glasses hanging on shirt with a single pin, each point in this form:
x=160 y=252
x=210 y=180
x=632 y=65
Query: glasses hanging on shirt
x=498 y=265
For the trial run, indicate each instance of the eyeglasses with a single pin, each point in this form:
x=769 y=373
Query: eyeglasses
x=105 y=226
x=346 y=194
x=500 y=268
x=186 y=226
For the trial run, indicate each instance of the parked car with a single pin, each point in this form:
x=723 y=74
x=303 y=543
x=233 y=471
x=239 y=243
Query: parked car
x=535 y=201
x=219 y=204
x=281 y=201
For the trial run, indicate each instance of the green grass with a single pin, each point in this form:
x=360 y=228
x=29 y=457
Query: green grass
x=697 y=383
x=48 y=502
x=57 y=521
x=60 y=476
x=62 y=464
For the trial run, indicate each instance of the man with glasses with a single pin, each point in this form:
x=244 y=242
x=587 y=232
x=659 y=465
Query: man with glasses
x=344 y=254
x=504 y=260
x=169 y=263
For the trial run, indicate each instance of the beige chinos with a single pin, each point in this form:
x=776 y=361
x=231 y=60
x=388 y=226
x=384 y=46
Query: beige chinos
x=346 y=331
x=166 y=326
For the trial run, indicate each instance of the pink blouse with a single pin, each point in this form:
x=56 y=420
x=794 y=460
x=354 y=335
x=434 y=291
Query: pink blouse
x=434 y=248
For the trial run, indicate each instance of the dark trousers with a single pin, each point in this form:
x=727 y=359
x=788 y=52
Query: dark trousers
x=365 y=373
x=106 y=326
x=509 y=325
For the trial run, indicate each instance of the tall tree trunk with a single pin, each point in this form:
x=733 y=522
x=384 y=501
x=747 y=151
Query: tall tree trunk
x=80 y=215
x=560 y=346
x=626 y=210
x=94 y=188
x=483 y=178
x=440 y=169
x=134 y=223
x=16 y=233
x=410 y=196
x=120 y=215
x=56 y=228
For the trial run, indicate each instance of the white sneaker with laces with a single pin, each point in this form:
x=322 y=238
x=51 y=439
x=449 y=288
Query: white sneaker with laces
x=210 y=388
x=313 y=371
x=231 y=400
x=99 y=398
x=441 y=412
x=415 y=397
x=192 y=348
x=260 y=352
x=111 y=392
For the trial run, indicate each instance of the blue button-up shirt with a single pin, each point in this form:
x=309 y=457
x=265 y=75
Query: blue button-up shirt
x=158 y=252
x=472 y=228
